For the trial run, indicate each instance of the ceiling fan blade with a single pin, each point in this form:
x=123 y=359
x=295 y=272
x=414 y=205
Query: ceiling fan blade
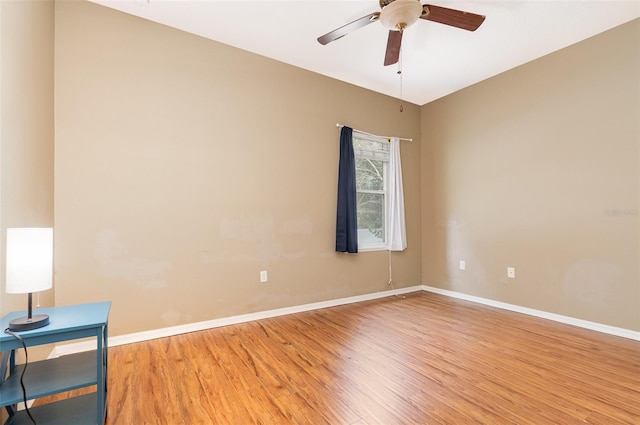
x=393 y=48
x=346 y=29
x=455 y=18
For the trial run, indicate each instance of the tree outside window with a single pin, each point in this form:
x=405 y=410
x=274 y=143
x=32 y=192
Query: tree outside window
x=372 y=159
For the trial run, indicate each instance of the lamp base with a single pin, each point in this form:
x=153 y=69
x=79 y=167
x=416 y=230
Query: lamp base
x=26 y=324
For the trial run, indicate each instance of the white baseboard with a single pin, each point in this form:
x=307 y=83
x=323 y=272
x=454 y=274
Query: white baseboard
x=62 y=350
x=612 y=330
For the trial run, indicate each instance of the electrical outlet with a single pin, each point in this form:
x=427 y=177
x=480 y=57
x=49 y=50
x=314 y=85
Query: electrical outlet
x=263 y=276
x=463 y=265
x=511 y=272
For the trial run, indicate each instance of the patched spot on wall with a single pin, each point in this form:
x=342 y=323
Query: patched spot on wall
x=297 y=226
x=114 y=262
x=171 y=318
x=256 y=240
x=591 y=281
x=247 y=229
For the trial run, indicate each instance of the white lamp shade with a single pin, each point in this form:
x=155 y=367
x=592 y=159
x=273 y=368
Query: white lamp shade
x=29 y=260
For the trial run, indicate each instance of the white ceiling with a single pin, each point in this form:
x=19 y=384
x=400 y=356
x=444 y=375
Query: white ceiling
x=436 y=59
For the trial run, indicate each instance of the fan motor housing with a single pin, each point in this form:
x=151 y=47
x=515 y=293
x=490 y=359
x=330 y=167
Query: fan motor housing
x=397 y=15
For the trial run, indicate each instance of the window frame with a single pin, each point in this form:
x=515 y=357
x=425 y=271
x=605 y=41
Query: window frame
x=376 y=246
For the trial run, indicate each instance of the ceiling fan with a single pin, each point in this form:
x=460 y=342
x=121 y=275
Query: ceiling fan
x=397 y=15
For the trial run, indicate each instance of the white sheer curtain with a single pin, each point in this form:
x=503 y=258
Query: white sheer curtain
x=397 y=238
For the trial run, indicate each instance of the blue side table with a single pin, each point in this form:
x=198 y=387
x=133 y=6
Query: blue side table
x=66 y=373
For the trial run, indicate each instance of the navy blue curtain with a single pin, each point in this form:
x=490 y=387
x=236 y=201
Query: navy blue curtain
x=346 y=223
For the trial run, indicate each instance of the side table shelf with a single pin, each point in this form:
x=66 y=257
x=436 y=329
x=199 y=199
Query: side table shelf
x=48 y=377
x=77 y=411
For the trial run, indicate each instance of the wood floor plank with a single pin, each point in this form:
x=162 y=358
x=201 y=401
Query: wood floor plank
x=416 y=359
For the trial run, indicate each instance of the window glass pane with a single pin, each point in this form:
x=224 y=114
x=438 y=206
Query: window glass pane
x=371 y=149
x=371 y=157
x=369 y=174
x=370 y=218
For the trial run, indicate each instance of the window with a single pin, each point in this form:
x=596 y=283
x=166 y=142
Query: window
x=372 y=170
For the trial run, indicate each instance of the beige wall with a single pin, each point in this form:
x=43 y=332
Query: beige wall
x=184 y=167
x=26 y=136
x=179 y=174
x=538 y=168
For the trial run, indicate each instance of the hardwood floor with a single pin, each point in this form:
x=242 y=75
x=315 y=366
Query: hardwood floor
x=419 y=359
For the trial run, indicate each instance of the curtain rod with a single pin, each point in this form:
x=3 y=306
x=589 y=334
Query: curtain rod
x=375 y=135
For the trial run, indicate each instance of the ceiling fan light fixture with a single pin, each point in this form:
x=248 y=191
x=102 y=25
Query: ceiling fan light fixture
x=400 y=14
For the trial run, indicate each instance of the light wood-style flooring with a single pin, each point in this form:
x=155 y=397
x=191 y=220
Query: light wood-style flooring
x=415 y=359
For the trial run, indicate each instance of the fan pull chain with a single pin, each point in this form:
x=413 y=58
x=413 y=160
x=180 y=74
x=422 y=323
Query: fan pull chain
x=400 y=74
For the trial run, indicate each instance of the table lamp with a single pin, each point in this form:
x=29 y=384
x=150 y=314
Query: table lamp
x=29 y=269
